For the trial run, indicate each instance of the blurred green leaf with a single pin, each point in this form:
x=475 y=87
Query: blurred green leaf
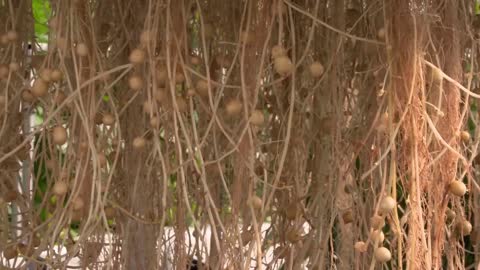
x=468 y=67
x=41 y=13
x=471 y=126
x=473 y=107
x=40 y=173
x=38 y=115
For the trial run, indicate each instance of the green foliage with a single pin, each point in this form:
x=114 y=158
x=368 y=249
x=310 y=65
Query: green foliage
x=41 y=174
x=41 y=13
x=471 y=122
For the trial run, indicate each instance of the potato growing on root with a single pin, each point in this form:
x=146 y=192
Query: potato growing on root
x=347 y=217
x=82 y=49
x=137 y=56
x=278 y=51
x=283 y=65
x=154 y=122
x=139 y=143
x=463 y=227
x=465 y=136
x=233 y=107
x=457 y=188
x=10 y=252
x=108 y=119
x=39 y=88
x=451 y=215
x=60 y=188
x=46 y=74
x=377 y=222
x=257 y=118
x=135 y=82
x=202 y=88
x=361 y=247
x=255 y=202
x=383 y=255
x=78 y=203
x=59 y=135
x=56 y=75
x=316 y=69
x=381 y=33
x=377 y=236
x=387 y=204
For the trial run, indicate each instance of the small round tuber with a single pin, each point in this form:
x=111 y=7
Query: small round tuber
x=78 y=203
x=202 y=88
x=360 y=246
x=465 y=136
x=82 y=49
x=60 y=188
x=383 y=255
x=139 y=142
x=233 y=107
x=278 y=51
x=137 y=56
x=283 y=65
x=457 y=188
x=316 y=69
x=256 y=202
x=135 y=82
x=108 y=119
x=257 y=118
x=59 y=135
x=39 y=88
x=387 y=204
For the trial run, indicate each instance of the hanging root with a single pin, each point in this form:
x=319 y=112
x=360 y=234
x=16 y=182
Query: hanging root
x=266 y=134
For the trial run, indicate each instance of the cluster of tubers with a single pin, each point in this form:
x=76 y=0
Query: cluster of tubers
x=377 y=222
